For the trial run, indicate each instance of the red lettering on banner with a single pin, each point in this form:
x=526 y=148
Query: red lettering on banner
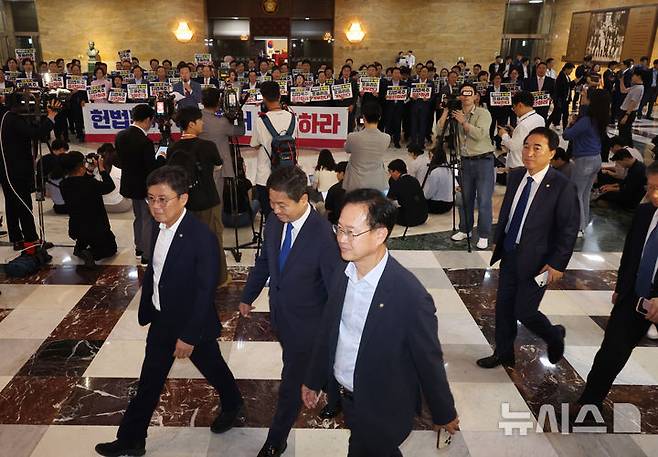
x=319 y=123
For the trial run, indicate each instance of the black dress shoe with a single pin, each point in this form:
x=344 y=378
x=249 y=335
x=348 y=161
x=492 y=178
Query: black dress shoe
x=397 y=145
x=330 y=411
x=227 y=420
x=272 y=451
x=86 y=255
x=144 y=261
x=118 y=448
x=493 y=361
x=556 y=351
x=138 y=253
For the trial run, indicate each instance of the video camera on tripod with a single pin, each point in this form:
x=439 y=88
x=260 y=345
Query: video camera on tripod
x=230 y=104
x=35 y=103
x=164 y=106
x=452 y=103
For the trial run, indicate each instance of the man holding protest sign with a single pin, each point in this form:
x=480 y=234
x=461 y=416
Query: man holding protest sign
x=396 y=94
x=344 y=92
x=422 y=92
x=542 y=88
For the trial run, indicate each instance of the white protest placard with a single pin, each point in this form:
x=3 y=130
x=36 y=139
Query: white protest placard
x=53 y=81
x=138 y=91
x=27 y=82
x=125 y=54
x=156 y=88
x=253 y=96
x=320 y=93
x=300 y=95
x=12 y=75
x=542 y=99
x=369 y=84
x=482 y=88
x=283 y=86
x=396 y=93
x=202 y=59
x=75 y=82
x=263 y=78
x=341 y=91
x=117 y=96
x=421 y=90
x=28 y=53
x=96 y=92
x=511 y=87
x=500 y=99
x=208 y=86
x=173 y=81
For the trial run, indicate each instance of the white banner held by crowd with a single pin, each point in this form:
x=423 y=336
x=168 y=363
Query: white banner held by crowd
x=500 y=99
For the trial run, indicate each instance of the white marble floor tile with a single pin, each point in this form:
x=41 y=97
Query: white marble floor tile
x=595 y=444
x=124 y=256
x=50 y=297
x=459 y=361
x=486 y=255
x=416 y=259
x=582 y=358
x=20 y=440
x=134 y=303
x=321 y=443
x=244 y=442
x=448 y=301
x=592 y=302
x=647 y=359
x=496 y=444
x=459 y=329
x=432 y=278
x=423 y=444
x=262 y=303
x=648 y=443
x=581 y=330
x=460 y=259
x=11 y=295
x=28 y=323
x=256 y=360
x=128 y=328
x=479 y=405
x=248 y=255
x=560 y=302
x=15 y=352
x=594 y=261
x=73 y=440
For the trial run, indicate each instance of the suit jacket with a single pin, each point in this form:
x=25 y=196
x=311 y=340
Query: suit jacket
x=17 y=134
x=355 y=93
x=136 y=155
x=35 y=76
x=213 y=81
x=385 y=85
x=297 y=294
x=399 y=354
x=187 y=285
x=551 y=226
x=531 y=85
x=562 y=88
x=630 y=258
x=191 y=100
x=496 y=68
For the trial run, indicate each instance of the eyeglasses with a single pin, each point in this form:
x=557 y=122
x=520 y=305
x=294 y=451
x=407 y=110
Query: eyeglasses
x=338 y=230
x=159 y=201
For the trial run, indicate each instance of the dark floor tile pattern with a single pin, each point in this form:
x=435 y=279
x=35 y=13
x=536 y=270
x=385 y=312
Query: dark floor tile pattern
x=4 y=313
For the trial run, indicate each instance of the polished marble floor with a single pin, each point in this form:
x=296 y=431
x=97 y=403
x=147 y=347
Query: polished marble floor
x=71 y=351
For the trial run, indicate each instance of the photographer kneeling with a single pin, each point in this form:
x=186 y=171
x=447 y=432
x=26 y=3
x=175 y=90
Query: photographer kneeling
x=83 y=194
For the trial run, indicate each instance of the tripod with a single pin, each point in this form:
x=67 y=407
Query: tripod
x=236 y=193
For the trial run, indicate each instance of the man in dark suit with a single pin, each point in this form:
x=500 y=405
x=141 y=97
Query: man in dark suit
x=136 y=158
x=379 y=337
x=178 y=294
x=540 y=83
x=406 y=190
x=636 y=279
x=496 y=67
x=299 y=256
x=420 y=109
x=561 y=95
x=189 y=89
x=537 y=230
x=28 y=71
x=581 y=73
x=207 y=78
x=393 y=109
x=346 y=78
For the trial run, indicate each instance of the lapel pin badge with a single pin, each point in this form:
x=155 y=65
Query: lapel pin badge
x=548 y=185
x=180 y=235
x=381 y=305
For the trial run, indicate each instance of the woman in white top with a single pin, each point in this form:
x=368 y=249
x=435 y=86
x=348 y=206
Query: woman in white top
x=100 y=80
x=114 y=201
x=325 y=172
x=438 y=188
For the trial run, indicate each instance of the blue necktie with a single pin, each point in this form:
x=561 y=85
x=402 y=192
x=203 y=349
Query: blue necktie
x=517 y=218
x=286 y=247
x=647 y=265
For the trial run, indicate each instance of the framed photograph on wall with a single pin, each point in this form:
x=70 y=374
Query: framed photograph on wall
x=607 y=31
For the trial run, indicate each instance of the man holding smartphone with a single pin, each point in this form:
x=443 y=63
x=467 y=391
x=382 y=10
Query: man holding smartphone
x=635 y=299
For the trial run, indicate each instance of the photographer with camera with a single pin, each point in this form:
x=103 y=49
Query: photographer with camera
x=513 y=137
x=199 y=158
x=477 y=162
x=89 y=225
x=17 y=172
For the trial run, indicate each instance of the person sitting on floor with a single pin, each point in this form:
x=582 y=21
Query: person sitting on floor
x=628 y=193
x=439 y=186
x=406 y=190
x=562 y=162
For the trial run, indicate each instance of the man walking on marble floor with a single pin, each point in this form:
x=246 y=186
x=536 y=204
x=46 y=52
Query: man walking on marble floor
x=177 y=299
x=300 y=255
x=537 y=230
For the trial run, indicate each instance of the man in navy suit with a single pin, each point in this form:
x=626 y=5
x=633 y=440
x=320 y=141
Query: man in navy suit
x=189 y=89
x=299 y=256
x=177 y=299
x=379 y=337
x=539 y=82
x=537 y=230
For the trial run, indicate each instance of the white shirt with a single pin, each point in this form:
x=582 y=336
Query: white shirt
x=633 y=98
x=114 y=197
x=411 y=60
x=162 y=245
x=537 y=178
x=654 y=221
x=540 y=82
x=296 y=227
x=358 y=297
x=551 y=73
x=514 y=144
x=418 y=167
x=438 y=186
x=261 y=137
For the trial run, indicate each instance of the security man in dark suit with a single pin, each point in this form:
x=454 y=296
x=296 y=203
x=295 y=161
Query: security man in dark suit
x=636 y=280
x=299 y=256
x=420 y=109
x=379 y=337
x=537 y=230
x=496 y=67
x=540 y=83
x=346 y=78
x=207 y=77
x=394 y=109
x=178 y=300
x=561 y=95
x=136 y=158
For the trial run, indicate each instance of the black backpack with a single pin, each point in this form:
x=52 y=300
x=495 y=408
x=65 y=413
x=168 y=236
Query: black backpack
x=284 y=149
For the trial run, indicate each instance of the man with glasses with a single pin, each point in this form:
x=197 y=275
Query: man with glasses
x=536 y=233
x=476 y=153
x=299 y=256
x=178 y=295
x=379 y=337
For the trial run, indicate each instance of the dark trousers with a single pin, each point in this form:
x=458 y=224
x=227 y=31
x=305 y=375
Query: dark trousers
x=393 y=120
x=649 y=99
x=360 y=445
x=351 y=121
x=560 y=112
x=20 y=222
x=289 y=403
x=621 y=199
x=61 y=126
x=626 y=130
x=419 y=114
x=406 y=121
x=263 y=197
x=142 y=225
x=160 y=346
x=625 y=329
x=438 y=207
x=519 y=299
x=101 y=245
x=499 y=118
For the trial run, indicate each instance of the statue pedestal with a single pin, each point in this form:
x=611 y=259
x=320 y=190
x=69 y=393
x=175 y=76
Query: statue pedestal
x=91 y=66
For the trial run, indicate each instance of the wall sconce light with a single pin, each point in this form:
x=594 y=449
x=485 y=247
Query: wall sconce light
x=327 y=36
x=183 y=32
x=355 y=34
x=244 y=37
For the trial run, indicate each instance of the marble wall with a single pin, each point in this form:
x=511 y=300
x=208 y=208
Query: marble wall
x=145 y=27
